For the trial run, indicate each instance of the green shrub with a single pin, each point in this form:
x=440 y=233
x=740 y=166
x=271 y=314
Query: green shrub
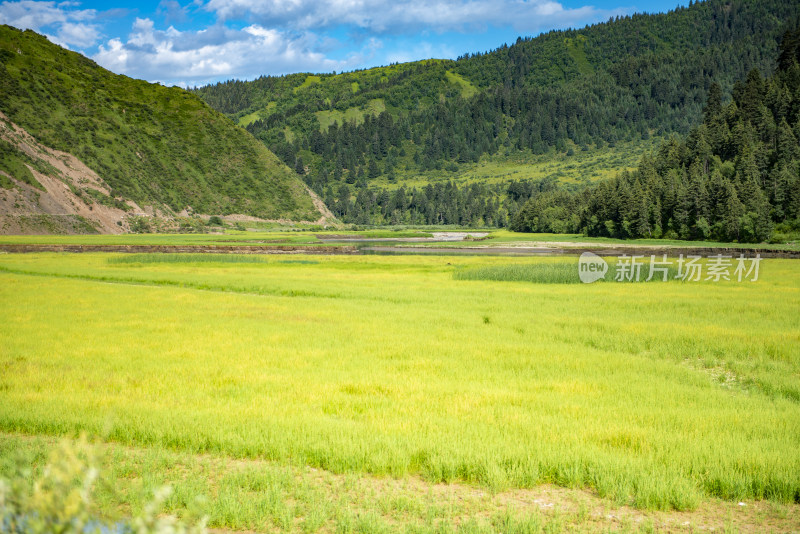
x=60 y=500
x=139 y=225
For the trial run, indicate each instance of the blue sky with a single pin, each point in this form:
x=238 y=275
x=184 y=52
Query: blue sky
x=194 y=42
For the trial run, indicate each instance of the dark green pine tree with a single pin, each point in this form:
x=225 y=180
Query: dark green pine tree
x=373 y=171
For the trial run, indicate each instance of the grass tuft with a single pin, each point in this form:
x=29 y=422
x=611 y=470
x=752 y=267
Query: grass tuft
x=544 y=271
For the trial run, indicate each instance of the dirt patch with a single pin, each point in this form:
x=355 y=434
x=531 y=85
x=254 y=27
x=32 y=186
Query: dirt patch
x=71 y=196
x=459 y=236
x=327 y=217
x=67 y=199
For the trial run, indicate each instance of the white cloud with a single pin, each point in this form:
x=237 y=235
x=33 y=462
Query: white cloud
x=218 y=52
x=172 y=11
x=79 y=35
x=420 y=50
x=404 y=16
x=63 y=25
x=255 y=37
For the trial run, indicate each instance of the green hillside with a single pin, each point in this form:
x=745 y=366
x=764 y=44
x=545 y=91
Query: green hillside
x=157 y=146
x=735 y=177
x=606 y=88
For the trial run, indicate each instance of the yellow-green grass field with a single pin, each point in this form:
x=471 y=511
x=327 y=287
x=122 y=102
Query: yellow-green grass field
x=385 y=393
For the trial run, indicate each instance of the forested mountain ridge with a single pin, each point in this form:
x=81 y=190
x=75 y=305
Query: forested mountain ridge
x=161 y=148
x=565 y=91
x=735 y=177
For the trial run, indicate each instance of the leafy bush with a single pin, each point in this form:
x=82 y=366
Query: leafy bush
x=139 y=225
x=60 y=500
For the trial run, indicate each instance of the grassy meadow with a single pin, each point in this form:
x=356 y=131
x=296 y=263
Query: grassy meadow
x=570 y=167
x=384 y=393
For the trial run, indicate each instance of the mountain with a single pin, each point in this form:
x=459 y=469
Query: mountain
x=77 y=140
x=562 y=97
x=735 y=177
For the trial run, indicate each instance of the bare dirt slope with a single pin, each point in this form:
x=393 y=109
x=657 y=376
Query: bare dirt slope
x=66 y=205
x=69 y=202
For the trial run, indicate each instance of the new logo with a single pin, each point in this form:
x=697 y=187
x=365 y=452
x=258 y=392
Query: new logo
x=591 y=268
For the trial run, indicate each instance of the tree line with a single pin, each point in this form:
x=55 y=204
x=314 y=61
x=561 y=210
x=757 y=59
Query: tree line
x=735 y=177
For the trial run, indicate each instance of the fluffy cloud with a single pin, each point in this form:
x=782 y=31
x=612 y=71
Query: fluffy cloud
x=404 y=16
x=78 y=35
x=218 y=52
x=61 y=23
x=420 y=49
x=247 y=38
x=172 y=11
